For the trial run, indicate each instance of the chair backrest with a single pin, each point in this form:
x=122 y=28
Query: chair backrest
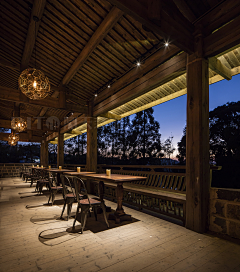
x=80 y=188
x=65 y=182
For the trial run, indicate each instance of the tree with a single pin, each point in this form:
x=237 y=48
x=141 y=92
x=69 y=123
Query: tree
x=168 y=147
x=224 y=142
x=145 y=136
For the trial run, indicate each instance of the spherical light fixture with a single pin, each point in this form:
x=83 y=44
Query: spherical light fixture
x=34 y=84
x=18 y=124
x=13 y=139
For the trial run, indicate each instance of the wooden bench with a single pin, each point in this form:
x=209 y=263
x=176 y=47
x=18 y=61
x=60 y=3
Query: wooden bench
x=162 y=192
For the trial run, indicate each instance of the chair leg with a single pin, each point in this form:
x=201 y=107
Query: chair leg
x=76 y=216
x=69 y=208
x=53 y=196
x=63 y=208
x=84 y=218
x=50 y=197
x=95 y=212
x=104 y=213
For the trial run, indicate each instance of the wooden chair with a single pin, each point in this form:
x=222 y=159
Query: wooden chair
x=42 y=180
x=69 y=195
x=53 y=188
x=87 y=203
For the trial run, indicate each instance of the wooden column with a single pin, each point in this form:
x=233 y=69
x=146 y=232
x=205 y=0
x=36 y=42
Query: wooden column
x=60 y=151
x=44 y=153
x=197 y=147
x=91 y=140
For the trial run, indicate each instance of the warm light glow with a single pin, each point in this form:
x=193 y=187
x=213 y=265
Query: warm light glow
x=166 y=44
x=18 y=124
x=138 y=63
x=13 y=139
x=34 y=84
x=109 y=86
x=95 y=94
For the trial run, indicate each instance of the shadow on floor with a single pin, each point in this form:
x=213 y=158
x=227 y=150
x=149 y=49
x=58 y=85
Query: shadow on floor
x=55 y=236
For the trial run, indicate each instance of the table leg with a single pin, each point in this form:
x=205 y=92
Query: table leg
x=119 y=214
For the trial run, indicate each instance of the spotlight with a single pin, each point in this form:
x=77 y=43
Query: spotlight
x=138 y=63
x=95 y=94
x=166 y=44
x=109 y=86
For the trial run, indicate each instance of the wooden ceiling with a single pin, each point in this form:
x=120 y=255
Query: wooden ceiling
x=85 y=45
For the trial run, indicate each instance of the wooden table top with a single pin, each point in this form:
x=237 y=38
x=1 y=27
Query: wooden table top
x=57 y=170
x=79 y=173
x=116 y=177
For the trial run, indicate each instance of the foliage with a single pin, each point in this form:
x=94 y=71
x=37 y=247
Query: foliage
x=224 y=140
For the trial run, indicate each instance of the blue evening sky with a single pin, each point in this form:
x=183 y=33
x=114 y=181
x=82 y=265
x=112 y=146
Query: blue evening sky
x=172 y=114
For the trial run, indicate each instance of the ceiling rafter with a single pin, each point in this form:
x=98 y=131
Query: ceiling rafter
x=168 y=27
x=107 y=24
x=37 y=10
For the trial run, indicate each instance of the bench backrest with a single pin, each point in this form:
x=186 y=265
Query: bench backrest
x=175 y=182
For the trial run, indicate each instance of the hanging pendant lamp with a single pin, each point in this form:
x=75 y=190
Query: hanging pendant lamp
x=32 y=82
x=13 y=139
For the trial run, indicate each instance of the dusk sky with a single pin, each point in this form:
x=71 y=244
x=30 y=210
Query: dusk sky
x=172 y=114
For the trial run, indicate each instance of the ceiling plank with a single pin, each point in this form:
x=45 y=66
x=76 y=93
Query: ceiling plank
x=168 y=27
x=223 y=39
x=14 y=95
x=219 y=16
x=23 y=137
x=108 y=23
x=9 y=64
x=217 y=66
x=37 y=10
x=150 y=63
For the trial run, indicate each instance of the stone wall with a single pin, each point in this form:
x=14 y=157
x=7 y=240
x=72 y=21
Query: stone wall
x=225 y=211
x=12 y=169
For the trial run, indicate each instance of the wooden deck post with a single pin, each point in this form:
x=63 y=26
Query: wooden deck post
x=91 y=143
x=197 y=146
x=60 y=151
x=44 y=153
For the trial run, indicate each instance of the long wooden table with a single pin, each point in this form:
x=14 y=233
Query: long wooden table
x=119 y=214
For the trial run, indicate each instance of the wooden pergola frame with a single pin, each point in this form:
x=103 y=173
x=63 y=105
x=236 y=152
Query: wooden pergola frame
x=195 y=47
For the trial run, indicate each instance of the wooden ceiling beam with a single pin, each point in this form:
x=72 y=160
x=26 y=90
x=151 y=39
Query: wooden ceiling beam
x=223 y=39
x=173 y=28
x=110 y=115
x=137 y=85
x=7 y=124
x=164 y=73
x=108 y=23
x=217 y=66
x=23 y=137
x=150 y=63
x=37 y=10
x=14 y=95
x=218 y=16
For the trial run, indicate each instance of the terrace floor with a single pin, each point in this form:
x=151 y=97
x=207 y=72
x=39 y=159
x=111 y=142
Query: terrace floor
x=147 y=244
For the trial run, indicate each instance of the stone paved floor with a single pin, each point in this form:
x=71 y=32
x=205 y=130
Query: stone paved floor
x=33 y=238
